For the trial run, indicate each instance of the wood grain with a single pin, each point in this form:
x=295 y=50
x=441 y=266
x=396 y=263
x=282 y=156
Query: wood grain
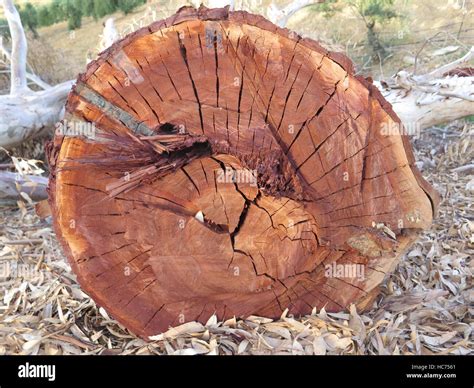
x=148 y=212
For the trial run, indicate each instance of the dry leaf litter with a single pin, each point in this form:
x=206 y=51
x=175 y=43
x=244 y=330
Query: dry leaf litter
x=425 y=306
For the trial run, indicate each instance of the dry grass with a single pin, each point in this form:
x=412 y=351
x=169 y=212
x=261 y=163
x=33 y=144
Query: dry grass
x=21 y=3
x=427 y=24
x=432 y=24
x=425 y=306
x=422 y=28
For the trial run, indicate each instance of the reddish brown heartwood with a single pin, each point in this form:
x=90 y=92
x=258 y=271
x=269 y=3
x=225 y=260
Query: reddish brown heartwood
x=233 y=162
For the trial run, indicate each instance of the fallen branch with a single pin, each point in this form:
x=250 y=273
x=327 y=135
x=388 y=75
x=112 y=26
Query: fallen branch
x=280 y=16
x=109 y=35
x=13 y=184
x=422 y=101
x=19 y=49
x=441 y=71
x=29 y=115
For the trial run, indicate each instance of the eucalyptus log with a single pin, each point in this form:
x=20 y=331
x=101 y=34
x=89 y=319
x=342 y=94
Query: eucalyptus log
x=213 y=162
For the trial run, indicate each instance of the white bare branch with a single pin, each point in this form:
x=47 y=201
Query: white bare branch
x=439 y=72
x=281 y=16
x=19 y=49
x=454 y=86
x=24 y=113
x=32 y=77
x=430 y=99
x=29 y=115
x=109 y=34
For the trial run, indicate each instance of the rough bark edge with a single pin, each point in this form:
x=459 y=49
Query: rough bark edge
x=183 y=15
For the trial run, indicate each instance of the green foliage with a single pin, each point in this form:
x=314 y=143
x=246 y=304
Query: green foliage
x=4 y=30
x=44 y=16
x=73 y=11
x=127 y=6
x=370 y=10
x=375 y=10
x=328 y=9
x=88 y=8
x=29 y=18
x=104 y=7
x=57 y=10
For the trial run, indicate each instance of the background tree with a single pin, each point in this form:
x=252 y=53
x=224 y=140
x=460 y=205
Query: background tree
x=104 y=7
x=373 y=12
x=127 y=6
x=88 y=8
x=29 y=16
x=45 y=17
x=328 y=8
x=4 y=30
x=74 y=14
x=57 y=10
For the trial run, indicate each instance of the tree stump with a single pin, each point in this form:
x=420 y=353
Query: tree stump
x=215 y=163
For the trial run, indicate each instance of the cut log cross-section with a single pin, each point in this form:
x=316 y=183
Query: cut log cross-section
x=230 y=167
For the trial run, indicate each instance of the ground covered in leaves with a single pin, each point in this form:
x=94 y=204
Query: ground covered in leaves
x=425 y=306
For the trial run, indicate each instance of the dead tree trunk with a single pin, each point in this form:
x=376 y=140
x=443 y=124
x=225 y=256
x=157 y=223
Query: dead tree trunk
x=441 y=96
x=213 y=162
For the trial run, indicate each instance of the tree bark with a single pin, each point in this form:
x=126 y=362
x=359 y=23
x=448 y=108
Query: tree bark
x=233 y=167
